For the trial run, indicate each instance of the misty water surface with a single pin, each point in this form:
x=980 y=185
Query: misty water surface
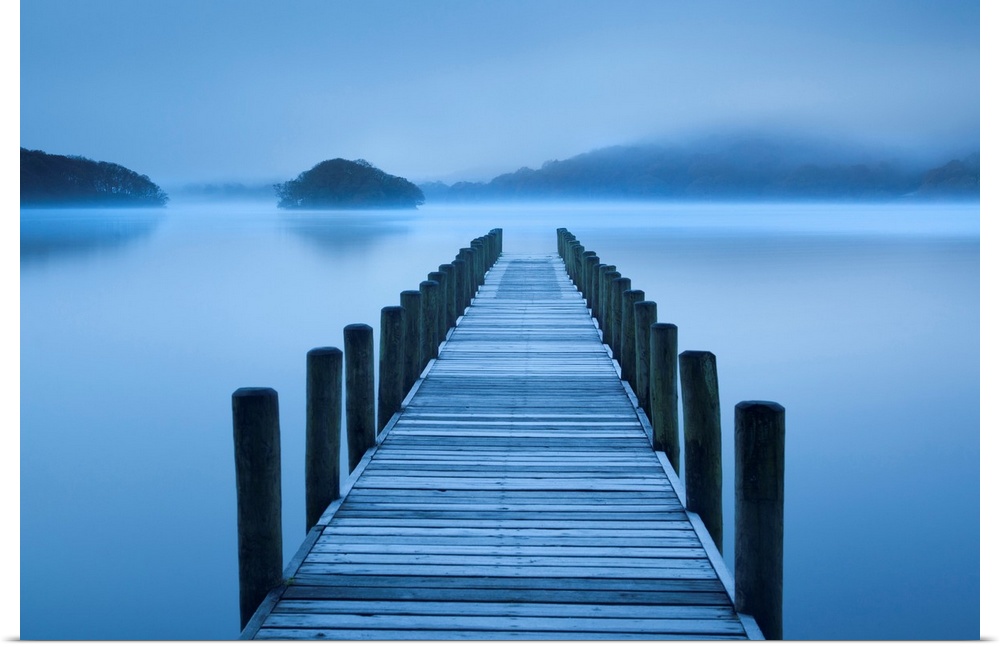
x=137 y=326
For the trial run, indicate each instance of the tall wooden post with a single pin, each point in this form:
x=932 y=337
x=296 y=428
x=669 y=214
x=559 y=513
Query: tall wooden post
x=467 y=254
x=442 y=303
x=645 y=317
x=459 y=272
x=663 y=391
x=257 y=447
x=479 y=253
x=628 y=358
x=359 y=382
x=607 y=303
x=324 y=408
x=429 y=309
x=760 y=509
x=702 y=439
x=410 y=301
x=390 y=365
x=450 y=311
x=588 y=282
x=618 y=288
x=595 y=290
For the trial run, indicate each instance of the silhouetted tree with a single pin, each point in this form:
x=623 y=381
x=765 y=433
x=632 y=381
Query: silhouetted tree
x=59 y=179
x=341 y=184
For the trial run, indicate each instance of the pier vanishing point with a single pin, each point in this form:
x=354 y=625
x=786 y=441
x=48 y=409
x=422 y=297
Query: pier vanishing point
x=514 y=492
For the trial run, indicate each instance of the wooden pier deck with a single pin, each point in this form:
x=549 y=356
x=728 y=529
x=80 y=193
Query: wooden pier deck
x=516 y=496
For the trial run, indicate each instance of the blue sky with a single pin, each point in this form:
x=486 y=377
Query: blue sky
x=252 y=90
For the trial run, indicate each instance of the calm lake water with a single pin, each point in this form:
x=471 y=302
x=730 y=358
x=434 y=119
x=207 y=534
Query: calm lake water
x=137 y=326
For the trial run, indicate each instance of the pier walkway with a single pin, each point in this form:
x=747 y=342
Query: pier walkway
x=516 y=496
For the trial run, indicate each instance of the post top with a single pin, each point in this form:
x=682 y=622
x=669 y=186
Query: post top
x=748 y=405
x=698 y=353
x=324 y=350
x=255 y=392
x=356 y=326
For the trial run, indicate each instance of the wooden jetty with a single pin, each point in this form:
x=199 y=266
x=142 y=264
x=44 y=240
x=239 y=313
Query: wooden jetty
x=514 y=495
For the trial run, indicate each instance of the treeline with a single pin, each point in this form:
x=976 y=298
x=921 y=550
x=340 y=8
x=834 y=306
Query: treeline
x=53 y=180
x=342 y=184
x=740 y=170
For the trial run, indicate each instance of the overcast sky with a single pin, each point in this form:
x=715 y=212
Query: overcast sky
x=260 y=90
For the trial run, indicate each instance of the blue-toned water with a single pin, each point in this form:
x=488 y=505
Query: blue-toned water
x=137 y=326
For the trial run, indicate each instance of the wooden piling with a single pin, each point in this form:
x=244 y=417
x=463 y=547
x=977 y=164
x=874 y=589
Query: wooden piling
x=702 y=439
x=592 y=263
x=442 y=297
x=479 y=254
x=410 y=301
x=257 y=448
x=595 y=290
x=458 y=272
x=467 y=254
x=645 y=317
x=760 y=524
x=390 y=365
x=324 y=407
x=618 y=288
x=359 y=383
x=663 y=391
x=628 y=358
x=429 y=309
x=607 y=303
x=448 y=293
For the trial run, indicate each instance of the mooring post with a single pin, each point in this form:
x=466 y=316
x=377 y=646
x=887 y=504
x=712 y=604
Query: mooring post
x=429 y=309
x=663 y=391
x=257 y=447
x=599 y=291
x=595 y=289
x=324 y=386
x=645 y=317
x=499 y=234
x=442 y=297
x=359 y=382
x=458 y=271
x=628 y=358
x=578 y=251
x=618 y=288
x=448 y=292
x=390 y=365
x=760 y=524
x=702 y=439
x=479 y=247
x=592 y=263
x=572 y=256
x=467 y=254
x=410 y=301
x=585 y=271
x=607 y=303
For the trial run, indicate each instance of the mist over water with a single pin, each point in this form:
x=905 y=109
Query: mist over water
x=137 y=326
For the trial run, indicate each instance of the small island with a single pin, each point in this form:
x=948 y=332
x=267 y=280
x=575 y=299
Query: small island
x=342 y=184
x=60 y=180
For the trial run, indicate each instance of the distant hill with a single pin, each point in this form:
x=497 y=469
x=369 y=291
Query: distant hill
x=341 y=184
x=59 y=180
x=722 y=169
x=956 y=178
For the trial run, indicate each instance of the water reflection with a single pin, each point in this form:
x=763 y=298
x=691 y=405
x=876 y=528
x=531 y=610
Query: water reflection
x=48 y=234
x=340 y=232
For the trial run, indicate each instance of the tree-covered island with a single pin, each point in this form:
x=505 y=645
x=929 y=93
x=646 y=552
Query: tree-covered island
x=342 y=184
x=60 y=180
